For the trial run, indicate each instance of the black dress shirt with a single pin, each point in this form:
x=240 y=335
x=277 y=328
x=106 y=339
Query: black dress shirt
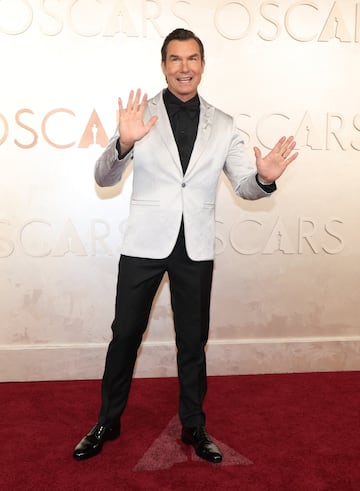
x=184 y=121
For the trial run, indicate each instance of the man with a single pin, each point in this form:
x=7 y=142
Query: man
x=179 y=145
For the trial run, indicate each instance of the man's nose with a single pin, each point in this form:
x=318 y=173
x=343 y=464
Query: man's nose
x=184 y=66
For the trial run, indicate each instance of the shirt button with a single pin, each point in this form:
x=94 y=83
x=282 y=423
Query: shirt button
x=183 y=185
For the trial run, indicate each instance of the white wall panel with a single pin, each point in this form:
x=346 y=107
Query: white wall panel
x=287 y=268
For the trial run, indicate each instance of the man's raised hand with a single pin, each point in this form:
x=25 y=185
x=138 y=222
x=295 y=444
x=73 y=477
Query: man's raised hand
x=131 y=120
x=276 y=161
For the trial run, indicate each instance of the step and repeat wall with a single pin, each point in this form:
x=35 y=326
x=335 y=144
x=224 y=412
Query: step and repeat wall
x=285 y=294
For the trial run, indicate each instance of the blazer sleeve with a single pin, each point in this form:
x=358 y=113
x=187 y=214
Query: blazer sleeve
x=240 y=172
x=109 y=169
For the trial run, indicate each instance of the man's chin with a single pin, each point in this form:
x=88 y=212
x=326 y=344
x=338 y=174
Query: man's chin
x=188 y=92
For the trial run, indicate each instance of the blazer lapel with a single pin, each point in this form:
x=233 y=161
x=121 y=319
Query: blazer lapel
x=203 y=134
x=156 y=107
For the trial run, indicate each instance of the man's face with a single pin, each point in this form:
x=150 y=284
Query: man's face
x=183 y=68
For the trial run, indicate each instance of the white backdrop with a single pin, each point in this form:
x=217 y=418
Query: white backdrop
x=286 y=276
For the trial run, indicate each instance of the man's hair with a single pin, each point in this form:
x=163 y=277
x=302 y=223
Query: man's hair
x=180 y=34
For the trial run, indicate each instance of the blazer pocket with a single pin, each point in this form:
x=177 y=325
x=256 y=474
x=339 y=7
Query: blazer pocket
x=208 y=205
x=145 y=202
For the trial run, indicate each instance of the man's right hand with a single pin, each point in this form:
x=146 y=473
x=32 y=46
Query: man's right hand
x=131 y=120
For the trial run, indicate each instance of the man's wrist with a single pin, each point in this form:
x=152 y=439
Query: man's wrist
x=263 y=181
x=122 y=149
x=268 y=187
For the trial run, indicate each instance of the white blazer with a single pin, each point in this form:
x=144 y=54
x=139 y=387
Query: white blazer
x=161 y=194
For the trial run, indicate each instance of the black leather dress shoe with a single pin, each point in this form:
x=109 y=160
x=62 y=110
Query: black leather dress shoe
x=93 y=442
x=202 y=443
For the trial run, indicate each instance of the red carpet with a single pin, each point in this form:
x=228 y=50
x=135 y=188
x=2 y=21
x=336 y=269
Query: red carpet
x=291 y=432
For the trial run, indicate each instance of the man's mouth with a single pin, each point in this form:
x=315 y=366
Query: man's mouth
x=184 y=79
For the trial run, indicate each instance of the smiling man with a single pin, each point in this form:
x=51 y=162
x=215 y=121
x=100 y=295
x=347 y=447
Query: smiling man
x=179 y=144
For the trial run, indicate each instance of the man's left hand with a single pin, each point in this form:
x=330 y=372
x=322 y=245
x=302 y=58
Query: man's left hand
x=271 y=167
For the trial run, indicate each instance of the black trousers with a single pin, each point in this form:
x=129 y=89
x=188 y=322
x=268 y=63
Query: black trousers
x=190 y=288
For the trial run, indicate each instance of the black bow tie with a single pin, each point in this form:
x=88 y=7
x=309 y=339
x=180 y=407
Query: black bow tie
x=192 y=108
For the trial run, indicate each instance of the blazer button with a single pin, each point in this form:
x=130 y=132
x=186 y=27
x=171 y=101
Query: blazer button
x=183 y=185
